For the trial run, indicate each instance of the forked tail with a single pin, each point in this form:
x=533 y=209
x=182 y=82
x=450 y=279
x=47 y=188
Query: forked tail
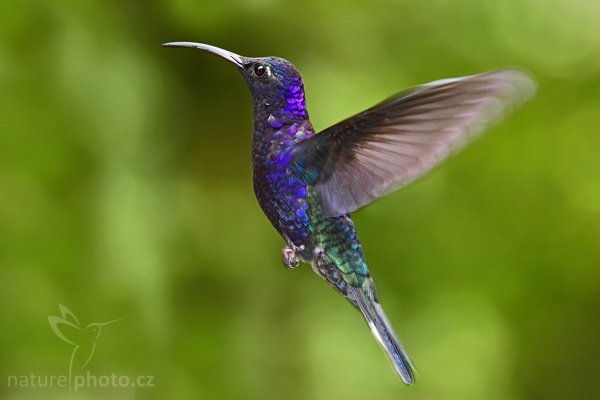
x=365 y=298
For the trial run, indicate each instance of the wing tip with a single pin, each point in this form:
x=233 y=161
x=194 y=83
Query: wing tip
x=520 y=79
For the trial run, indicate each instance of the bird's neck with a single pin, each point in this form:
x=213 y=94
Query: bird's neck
x=286 y=103
x=278 y=109
x=280 y=121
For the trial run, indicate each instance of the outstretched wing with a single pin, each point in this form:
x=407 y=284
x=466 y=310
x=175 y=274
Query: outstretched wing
x=395 y=142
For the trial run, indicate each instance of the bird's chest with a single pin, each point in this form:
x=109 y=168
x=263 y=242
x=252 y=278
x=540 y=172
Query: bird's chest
x=282 y=196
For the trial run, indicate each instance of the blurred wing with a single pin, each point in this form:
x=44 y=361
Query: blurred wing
x=395 y=142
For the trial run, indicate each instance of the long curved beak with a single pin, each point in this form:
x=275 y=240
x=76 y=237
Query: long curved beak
x=228 y=55
x=109 y=322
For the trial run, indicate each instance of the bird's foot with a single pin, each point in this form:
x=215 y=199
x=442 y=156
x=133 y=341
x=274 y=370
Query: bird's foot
x=290 y=257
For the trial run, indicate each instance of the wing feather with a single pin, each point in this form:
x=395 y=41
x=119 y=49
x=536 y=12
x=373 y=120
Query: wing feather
x=395 y=142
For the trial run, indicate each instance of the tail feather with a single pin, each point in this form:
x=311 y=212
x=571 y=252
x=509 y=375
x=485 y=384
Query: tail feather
x=365 y=299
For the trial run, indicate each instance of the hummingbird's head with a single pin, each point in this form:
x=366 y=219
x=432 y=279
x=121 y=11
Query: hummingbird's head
x=274 y=82
x=94 y=329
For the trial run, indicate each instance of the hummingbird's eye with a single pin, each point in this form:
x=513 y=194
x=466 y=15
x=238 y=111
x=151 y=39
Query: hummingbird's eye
x=259 y=70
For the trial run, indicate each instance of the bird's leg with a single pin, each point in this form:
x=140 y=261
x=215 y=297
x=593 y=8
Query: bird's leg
x=290 y=256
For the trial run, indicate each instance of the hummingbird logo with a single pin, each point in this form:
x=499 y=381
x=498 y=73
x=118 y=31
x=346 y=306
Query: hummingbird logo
x=68 y=328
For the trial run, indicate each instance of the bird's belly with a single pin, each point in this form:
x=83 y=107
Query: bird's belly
x=295 y=212
x=336 y=240
x=284 y=200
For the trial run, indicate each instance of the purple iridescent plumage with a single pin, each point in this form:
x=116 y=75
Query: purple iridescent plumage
x=285 y=198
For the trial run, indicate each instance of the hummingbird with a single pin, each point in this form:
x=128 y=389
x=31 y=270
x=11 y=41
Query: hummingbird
x=83 y=339
x=308 y=183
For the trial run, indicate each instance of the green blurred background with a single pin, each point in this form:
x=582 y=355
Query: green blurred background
x=125 y=191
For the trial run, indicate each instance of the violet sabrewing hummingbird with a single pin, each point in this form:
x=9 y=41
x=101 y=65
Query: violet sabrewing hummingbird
x=308 y=183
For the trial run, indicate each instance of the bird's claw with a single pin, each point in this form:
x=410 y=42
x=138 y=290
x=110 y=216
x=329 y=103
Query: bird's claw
x=290 y=257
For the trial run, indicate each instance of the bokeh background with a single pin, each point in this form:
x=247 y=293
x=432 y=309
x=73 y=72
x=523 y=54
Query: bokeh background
x=125 y=191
